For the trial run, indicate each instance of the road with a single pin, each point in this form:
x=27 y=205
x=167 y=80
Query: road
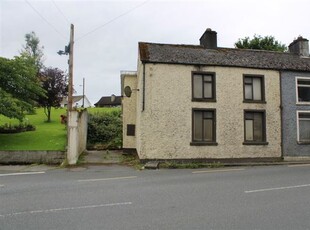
x=117 y=197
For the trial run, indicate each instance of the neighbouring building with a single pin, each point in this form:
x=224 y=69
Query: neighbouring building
x=129 y=105
x=206 y=102
x=295 y=87
x=77 y=101
x=109 y=101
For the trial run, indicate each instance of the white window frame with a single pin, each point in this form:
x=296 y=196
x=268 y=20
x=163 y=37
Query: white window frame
x=297 y=119
x=296 y=85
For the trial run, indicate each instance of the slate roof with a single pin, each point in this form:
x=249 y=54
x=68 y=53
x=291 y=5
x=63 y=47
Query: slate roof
x=197 y=55
x=106 y=101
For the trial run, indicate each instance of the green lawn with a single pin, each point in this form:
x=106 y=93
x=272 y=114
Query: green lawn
x=47 y=136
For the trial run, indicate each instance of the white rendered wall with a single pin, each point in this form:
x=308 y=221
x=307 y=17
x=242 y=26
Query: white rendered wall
x=164 y=128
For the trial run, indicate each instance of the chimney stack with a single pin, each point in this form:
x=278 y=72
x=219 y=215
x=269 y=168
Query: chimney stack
x=209 y=39
x=300 y=46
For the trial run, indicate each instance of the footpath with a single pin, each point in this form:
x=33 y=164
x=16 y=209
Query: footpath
x=104 y=157
x=114 y=157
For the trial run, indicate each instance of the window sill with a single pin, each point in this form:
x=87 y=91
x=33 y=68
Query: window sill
x=303 y=103
x=203 y=143
x=203 y=100
x=253 y=101
x=255 y=143
x=303 y=142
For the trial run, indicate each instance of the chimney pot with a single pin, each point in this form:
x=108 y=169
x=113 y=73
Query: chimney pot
x=300 y=46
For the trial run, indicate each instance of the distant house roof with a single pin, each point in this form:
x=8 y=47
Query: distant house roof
x=198 y=55
x=106 y=101
x=76 y=99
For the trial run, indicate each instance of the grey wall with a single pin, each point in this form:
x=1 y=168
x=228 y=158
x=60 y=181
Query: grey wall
x=32 y=157
x=289 y=117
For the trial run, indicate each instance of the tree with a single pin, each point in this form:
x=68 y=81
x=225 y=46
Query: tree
x=55 y=83
x=19 y=87
x=260 y=43
x=33 y=51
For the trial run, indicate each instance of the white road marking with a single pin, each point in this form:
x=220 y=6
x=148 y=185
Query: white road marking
x=65 y=209
x=1 y=185
x=279 y=188
x=20 y=174
x=299 y=165
x=105 y=179
x=219 y=170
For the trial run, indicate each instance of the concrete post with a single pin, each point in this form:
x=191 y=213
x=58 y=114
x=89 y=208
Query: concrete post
x=77 y=135
x=72 y=152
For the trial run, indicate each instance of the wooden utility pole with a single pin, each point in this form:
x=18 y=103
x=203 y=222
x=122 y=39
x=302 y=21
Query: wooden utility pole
x=70 y=90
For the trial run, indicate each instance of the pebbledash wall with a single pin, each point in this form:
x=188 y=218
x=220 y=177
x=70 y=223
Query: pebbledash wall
x=129 y=109
x=291 y=147
x=164 y=113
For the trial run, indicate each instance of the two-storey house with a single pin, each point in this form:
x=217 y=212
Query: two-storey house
x=205 y=102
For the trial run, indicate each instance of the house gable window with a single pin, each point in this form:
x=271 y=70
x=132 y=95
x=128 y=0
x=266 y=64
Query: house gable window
x=254 y=127
x=203 y=86
x=303 y=127
x=303 y=90
x=253 y=88
x=204 y=127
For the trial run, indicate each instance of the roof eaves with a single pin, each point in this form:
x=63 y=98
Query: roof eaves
x=232 y=65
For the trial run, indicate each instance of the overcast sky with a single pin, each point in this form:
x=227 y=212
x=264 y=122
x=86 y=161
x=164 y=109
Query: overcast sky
x=107 y=32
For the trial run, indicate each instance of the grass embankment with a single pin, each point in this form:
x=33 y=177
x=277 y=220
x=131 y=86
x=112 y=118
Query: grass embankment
x=47 y=136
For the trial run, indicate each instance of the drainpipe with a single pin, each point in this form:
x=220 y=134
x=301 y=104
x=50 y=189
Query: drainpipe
x=143 y=88
x=281 y=115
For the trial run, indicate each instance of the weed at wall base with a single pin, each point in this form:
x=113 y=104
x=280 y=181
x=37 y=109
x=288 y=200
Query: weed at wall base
x=191 y=165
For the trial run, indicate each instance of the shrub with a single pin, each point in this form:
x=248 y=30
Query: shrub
x=21 y=127
x=105 y=130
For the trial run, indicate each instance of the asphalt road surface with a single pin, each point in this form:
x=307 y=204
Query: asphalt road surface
x=115 y=197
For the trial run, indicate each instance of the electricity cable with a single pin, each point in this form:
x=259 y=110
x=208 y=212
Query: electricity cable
x=35 y=10
x=112 y=20
x=60 y=11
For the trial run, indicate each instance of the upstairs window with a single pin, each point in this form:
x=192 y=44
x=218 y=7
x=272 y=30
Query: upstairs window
x=303 y=134
x=253 y=88
x=203 y=87
x=303 y=90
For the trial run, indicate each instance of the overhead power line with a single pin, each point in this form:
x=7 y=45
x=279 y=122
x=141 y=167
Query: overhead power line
x=60 y=11
x=112 y=20
x=54 y=28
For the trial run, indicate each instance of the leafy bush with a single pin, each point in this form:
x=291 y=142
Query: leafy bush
x=22 y=127
x=105 y=130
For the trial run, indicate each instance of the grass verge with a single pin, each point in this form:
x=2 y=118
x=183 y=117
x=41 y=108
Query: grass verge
x=47 y=136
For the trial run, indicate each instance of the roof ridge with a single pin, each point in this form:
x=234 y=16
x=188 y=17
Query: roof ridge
x=175 y=45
